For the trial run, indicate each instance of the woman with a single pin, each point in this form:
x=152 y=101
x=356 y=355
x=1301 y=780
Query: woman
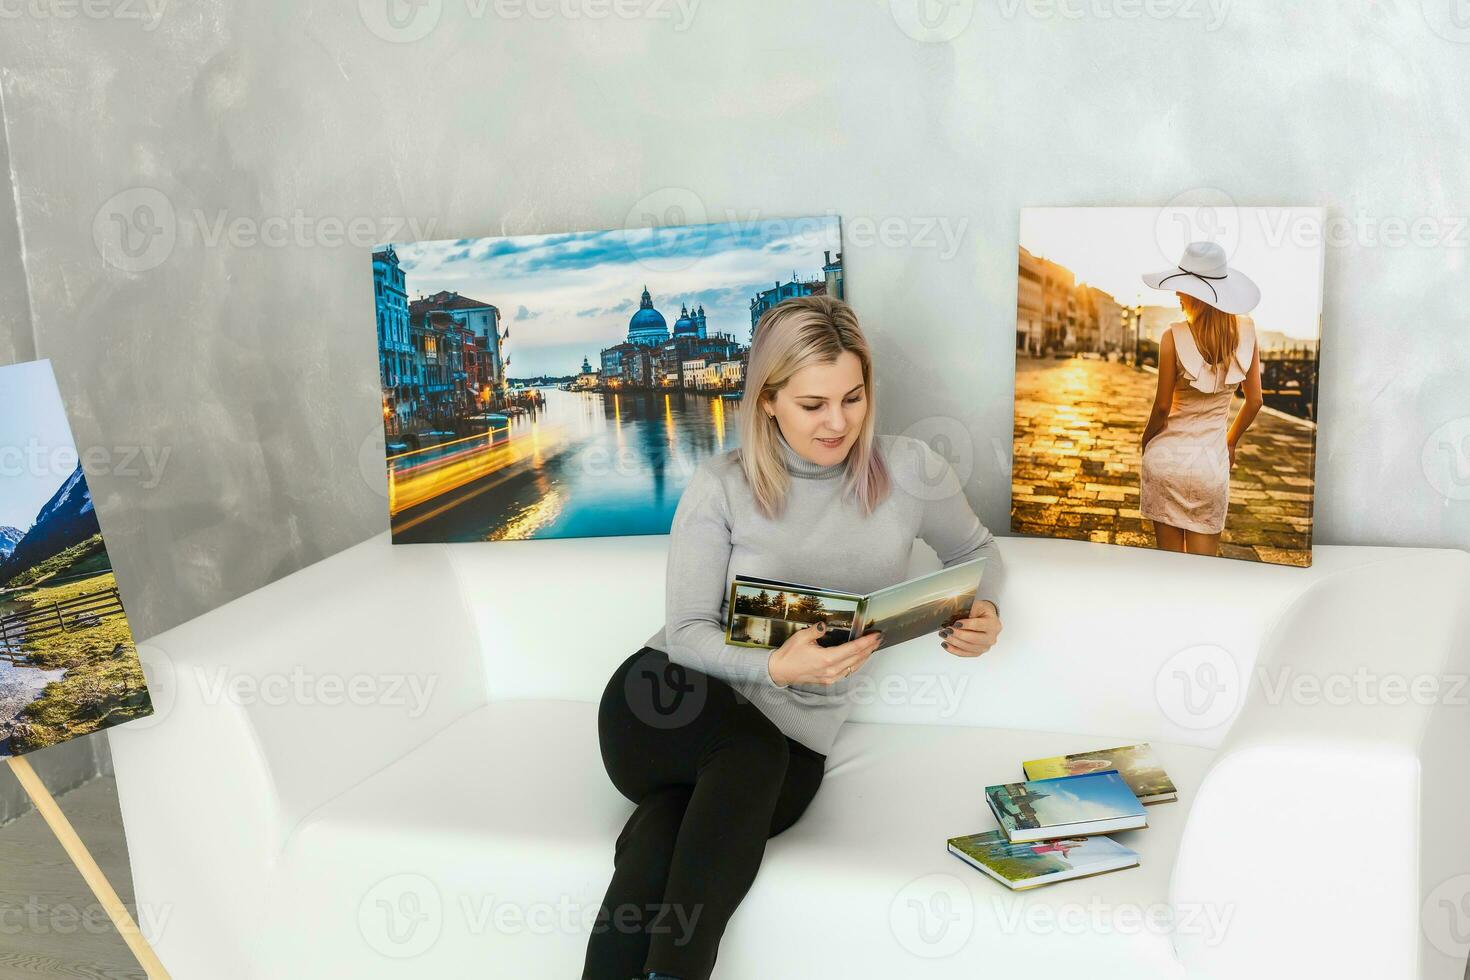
x=722 y=747
x=1188 y=452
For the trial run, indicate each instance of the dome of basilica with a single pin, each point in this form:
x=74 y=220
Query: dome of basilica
x=648 y=325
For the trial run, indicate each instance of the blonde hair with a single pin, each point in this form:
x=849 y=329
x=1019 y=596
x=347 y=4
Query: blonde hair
x=792 y=335
x=1216 y=333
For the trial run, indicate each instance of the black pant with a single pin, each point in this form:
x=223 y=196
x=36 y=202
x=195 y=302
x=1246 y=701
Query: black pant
x=713 y=778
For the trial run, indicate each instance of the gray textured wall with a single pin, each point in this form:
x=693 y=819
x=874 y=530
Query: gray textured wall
x=17 y=342
x=229 y=375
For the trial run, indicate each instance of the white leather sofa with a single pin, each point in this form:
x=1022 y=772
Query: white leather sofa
x=386 y=765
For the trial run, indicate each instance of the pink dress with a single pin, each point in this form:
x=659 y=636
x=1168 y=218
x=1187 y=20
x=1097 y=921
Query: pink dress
x=1185 y=475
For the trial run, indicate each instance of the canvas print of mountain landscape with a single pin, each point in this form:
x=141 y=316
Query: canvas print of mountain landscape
x=568 y=385
x=68 y=664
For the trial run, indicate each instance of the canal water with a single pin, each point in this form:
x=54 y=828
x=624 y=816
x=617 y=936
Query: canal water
x=587 y=463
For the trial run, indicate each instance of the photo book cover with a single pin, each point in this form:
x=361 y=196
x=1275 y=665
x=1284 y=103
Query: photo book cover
x=1041 y=860
x=68 y=663
x=1167 y=378
x=568 y=385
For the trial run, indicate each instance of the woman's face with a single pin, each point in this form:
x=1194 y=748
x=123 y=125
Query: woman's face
x=821 y=409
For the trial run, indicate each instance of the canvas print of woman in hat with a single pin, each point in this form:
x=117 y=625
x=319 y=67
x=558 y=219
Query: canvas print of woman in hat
x=1190 y=440
x=1173 y=410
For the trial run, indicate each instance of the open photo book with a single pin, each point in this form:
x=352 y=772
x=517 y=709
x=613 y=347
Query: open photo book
x=764 y=612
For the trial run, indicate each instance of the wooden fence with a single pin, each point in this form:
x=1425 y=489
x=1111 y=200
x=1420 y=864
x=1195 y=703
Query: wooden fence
x=80 y=612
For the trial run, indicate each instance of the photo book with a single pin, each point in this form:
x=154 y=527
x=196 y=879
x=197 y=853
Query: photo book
x=1052 y=825
x=1135 y=763
x=765 y=612
x=1022 y=866
x=1067 y=806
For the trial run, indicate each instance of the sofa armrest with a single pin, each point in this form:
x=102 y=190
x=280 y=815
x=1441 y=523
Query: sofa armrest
x=1329 y=816
x=202 y=821
x=274 y=704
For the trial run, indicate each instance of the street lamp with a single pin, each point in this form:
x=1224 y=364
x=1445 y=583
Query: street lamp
x=1137 y=330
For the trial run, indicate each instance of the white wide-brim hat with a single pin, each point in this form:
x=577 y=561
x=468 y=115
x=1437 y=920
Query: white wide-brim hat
x=1203 y=274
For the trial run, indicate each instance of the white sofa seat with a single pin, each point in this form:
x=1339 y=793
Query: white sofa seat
x=470 y=833
x=516 y=857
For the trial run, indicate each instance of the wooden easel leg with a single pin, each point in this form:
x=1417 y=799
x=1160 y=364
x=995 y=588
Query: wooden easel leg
x=95 y=879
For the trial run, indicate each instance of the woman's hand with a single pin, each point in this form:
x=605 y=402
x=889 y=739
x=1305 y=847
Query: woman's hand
x=801 y=661
x=973 y=636
x=1231 y=447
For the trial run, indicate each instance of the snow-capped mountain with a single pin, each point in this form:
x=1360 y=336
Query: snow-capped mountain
x=9 y=538
x=67 y=518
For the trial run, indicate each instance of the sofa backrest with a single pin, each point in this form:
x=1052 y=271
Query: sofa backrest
x=556 y=615
x=339 y=668
x=1110 y=641
x=1098 y=639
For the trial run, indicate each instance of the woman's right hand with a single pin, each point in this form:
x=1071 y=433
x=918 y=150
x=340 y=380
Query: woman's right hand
x=800 y=660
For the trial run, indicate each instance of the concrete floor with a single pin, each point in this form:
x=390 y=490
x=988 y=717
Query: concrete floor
x=50 y=923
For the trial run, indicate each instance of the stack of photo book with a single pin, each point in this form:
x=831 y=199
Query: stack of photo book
x=1052 y=825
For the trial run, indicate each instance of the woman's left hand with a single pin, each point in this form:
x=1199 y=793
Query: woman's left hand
x=973 y=636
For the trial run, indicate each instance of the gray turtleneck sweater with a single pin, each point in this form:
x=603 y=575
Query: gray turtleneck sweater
x=821 y=540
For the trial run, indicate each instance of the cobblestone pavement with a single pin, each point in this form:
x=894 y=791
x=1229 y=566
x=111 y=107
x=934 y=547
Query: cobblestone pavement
x=1075 y=473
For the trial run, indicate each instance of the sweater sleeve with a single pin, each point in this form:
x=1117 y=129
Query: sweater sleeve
x=951 y=527
x=695 y=585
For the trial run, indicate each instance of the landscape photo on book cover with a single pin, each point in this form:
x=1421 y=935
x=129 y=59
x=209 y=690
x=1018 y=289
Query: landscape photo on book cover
x=1041 y=803
x=1019 y=863
x=1137 y=764
x=922 y=605
x=765 y=612
x=765 y=615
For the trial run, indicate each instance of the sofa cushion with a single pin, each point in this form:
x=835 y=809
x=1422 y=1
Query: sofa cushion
x=1079 y=621
x=489 y=848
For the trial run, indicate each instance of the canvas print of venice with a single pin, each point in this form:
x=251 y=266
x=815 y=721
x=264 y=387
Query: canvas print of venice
x=568 y=385
x=68 y=664
x=1166 y=378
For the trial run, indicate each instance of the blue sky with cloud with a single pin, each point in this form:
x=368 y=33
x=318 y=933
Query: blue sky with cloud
x=1091 y=797
x=37 y=452
x=1280 y=249
x=568 y=295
